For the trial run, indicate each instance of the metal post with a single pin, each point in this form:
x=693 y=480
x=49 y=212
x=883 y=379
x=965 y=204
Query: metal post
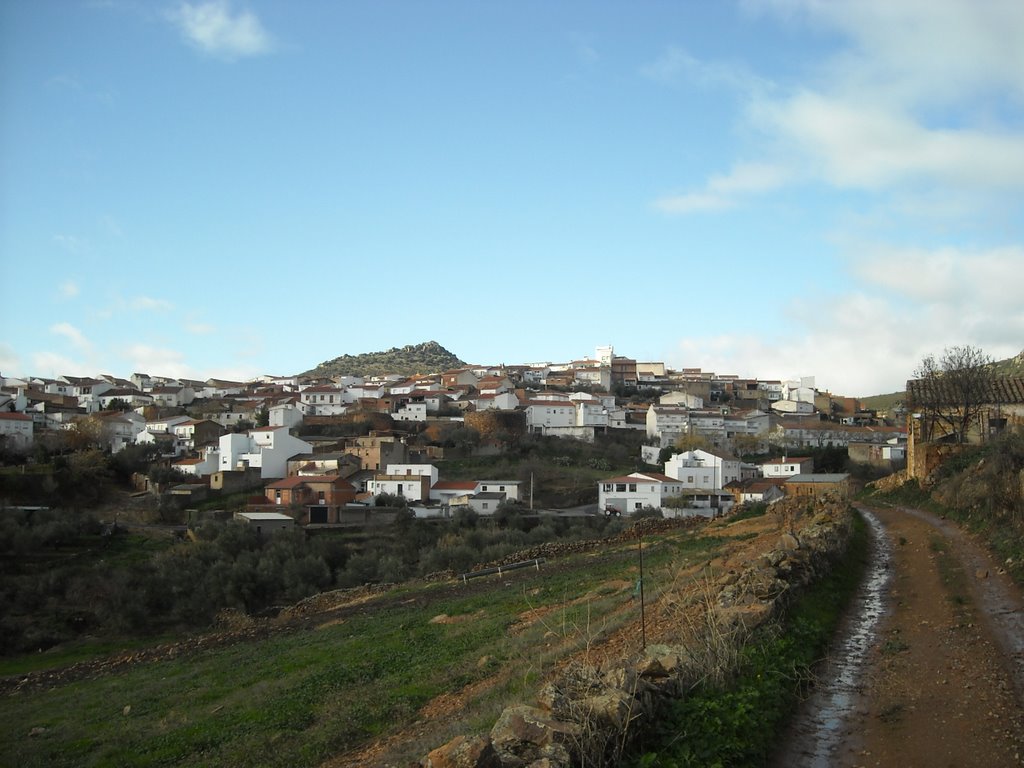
x=643 y=617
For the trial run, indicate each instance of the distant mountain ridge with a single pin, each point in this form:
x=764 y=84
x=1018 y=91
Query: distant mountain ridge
x=428 y=357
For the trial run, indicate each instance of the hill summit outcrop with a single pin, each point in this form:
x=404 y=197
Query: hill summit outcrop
x=428 y=357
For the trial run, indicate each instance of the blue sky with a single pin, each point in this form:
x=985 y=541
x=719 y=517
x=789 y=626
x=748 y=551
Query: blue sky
x=770 y=188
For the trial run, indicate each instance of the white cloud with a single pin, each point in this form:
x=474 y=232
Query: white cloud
x=584 y=52
x=213 y=28
x=9 y=360
x=918 y=52
x=199 y=329
x=676 y=66
x=921 y=93
x=52 y=364
x=866 y=145
x=160 y=361
x=72 y=334
x=149 y=304
x=71 y=243
x=68 y=289
x=111 y=226
x=902 y=304
x=953 y=277
x=722 y=191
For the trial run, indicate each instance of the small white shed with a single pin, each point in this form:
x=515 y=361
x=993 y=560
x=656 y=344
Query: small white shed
x=266 y=522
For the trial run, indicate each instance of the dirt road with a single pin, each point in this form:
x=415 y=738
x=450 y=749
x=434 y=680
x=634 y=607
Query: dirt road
x=943 y=677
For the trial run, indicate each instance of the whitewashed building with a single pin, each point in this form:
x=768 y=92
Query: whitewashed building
x=629 y=493
x=266 y=448
x=704 y=470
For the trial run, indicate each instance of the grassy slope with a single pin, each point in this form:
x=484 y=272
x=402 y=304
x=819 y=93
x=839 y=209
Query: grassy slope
x=302 y=696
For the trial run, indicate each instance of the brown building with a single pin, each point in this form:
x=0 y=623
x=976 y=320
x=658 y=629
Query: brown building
x=316 y=499
x=376 y=452
x=813 y=486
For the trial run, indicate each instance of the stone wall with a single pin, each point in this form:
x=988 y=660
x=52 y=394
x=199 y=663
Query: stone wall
x=587 y=715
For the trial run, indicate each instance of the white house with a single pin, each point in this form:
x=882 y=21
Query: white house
x=444 y=491
x=509 y=489
x=411 y=411
x=787 y=466
x=591 y=413
x=286 y=414
x=16 y=429
x=542 y=415
x=683 y=399
x=205 y=465
x=325 y=400
x=704 y=470
x=485 y=502
x=121 y=429
x=629 y=493
x=753 y=423
x=793 y=407
x=410 y=470
x=598 y=378
x=216 y=388
x=172 y=397
x=503 y=401
x=667 y=423
x=267 y=448
x=410 y=487
x=134 y=397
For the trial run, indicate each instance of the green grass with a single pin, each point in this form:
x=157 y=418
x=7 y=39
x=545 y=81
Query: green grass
x=301 y=696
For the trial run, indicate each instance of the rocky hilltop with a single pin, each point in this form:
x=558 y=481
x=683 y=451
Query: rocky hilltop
x=428 y=357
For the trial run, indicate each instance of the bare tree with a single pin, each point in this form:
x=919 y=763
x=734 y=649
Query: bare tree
x=951 y=392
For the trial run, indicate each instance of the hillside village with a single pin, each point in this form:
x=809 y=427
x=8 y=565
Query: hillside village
x=319 y=450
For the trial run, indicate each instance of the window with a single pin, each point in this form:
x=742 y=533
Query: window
x=501 y=487
x=638 y=505
x=620 y=487
x=607 y=487
x=632 y=487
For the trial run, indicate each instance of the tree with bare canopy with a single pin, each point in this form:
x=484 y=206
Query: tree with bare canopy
x=951 y=393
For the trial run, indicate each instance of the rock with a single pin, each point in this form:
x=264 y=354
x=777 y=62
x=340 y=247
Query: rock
x=611 y=709
x=36 y=732
x=526 y=734
x=659 y=661
x=127 y=710
x=788 y=542
x=981 y=573
x=463 y=752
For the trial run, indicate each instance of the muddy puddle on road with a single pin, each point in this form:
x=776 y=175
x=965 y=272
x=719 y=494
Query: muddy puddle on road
x=817 y=731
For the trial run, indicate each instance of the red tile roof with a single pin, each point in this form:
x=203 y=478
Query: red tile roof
x=455 y=485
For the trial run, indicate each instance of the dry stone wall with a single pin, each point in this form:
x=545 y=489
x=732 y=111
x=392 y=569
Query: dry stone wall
x=587 y=715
